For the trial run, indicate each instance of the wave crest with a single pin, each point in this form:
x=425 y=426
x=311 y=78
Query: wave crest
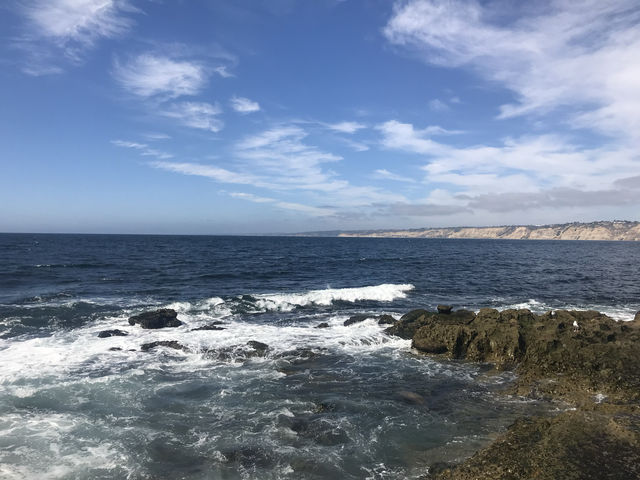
x=385 y=292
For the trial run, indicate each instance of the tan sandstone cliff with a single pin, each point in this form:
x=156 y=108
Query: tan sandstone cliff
x=615 y=230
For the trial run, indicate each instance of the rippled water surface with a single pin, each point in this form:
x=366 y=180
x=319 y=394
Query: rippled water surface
x=337 y=402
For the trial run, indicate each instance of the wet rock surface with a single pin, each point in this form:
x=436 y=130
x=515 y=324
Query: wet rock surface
x=112 y=333
x=145 y=347
x=163 y=318
x=587 y=361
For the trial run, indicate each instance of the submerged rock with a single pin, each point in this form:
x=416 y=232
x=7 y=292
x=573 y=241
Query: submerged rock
x=164 y=343
x=112 y=333
x=322 y=325
x=163 y=318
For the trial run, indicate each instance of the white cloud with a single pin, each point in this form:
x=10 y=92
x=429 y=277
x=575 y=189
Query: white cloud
x=143 y=148
x=298 y=207
x=402 y=136
x=148 y=75
x=384 y=174
x=584 y=55
x=345 y=127
x=156 y=136
x=223 y=71
x=70 y=27
x=438 y=105
x=209 y=171
x=532 y=169
x=201 y=115
x=244 y=105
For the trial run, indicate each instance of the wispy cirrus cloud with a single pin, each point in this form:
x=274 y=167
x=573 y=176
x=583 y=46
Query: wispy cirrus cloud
x=298 y=207
x=345 y=127
x=148 y=75
x=383 y=174
x=213 y=172
x=142 y=148
x=200 y=115
x=62 y=31
x=281 y=161
x=244 y=105
x=583 y=56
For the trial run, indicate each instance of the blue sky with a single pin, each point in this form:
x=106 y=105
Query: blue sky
x=248 y=116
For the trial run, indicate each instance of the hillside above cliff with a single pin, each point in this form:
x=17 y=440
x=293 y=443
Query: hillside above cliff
x=610 y=230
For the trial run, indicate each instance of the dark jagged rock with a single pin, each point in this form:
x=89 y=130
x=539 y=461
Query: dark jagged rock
x=322 y=325
x=582 y=357
x=409 y=323
x=211 y=326
x=382 y=319
x=386 y=320
x=259 y=348
x=446 y=309
x=115 y=349
x=599 y=354
x=572 y=445
x=164 y=343
x=163 y=318
x=356 y=319
x=112 y=333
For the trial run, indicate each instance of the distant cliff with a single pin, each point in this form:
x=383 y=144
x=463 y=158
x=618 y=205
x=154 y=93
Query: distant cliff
x=616 y=230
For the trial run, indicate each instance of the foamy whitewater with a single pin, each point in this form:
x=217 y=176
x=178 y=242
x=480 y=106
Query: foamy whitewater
x=337 y=402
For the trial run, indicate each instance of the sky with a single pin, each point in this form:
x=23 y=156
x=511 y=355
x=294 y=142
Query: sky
x=282 y=116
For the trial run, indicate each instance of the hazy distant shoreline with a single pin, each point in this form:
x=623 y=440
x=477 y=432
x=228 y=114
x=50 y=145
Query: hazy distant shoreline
x=606 y=230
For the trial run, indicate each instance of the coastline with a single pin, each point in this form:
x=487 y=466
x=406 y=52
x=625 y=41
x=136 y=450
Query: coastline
x=594 y=231
x=584 y=360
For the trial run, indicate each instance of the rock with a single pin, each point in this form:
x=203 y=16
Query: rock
x=112 y=333
x=637 y=317
x=164 y=343
x=211 y=326
x=260 y=349
x=409 y=323
x=165 y=317
x=386 y=320
x=444 y=309
x=356 y=319
x=410 y=397
x=115 y=349
x=572 y=445
x=322 y=325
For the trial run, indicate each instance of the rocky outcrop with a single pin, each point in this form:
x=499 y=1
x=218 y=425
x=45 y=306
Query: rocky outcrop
x=162 y=318
x=145 y=347
x=581 y=357
x=210 y=326
x=112 y=333
x=579 y=350
x=573 y=445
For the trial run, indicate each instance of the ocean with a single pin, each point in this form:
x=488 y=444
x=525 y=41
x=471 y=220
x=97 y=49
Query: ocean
x=344 y=402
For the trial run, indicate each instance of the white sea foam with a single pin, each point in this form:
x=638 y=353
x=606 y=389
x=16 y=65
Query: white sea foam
x=624 y=313
x=386 y=292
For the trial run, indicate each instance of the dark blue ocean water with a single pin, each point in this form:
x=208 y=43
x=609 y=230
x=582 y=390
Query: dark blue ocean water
x=340 y=402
